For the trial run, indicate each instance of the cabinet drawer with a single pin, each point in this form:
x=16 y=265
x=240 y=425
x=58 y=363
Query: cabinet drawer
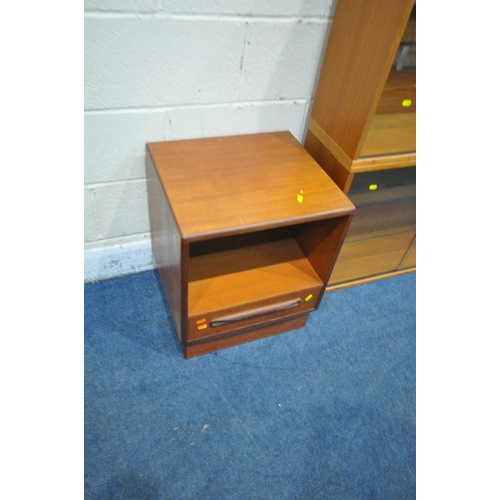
x=251 y=314
x=370 y=257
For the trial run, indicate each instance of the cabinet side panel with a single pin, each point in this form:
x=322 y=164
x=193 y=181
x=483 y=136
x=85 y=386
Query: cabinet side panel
x=166 y=244
x=328 y=162
x=321 y=242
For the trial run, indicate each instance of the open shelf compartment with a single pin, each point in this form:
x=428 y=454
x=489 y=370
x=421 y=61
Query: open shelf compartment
x=243 y=279
x=235 y=274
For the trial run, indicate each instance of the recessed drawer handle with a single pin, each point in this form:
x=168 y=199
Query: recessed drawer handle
x=282 y=306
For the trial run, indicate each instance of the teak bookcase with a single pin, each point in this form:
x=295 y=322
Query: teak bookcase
x=362 y=132
x=245 y=233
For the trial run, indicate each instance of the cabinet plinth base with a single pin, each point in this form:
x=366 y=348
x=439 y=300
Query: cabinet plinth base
x=198 y=348
x=369 y=279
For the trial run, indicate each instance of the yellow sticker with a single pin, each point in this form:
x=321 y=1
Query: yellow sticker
x=200 y=321
x=300 y=198
x=372 y=187
x=309 y=297
x=406 y=103
x=202 y=327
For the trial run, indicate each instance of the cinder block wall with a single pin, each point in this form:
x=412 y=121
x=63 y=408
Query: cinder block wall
x=181 y=69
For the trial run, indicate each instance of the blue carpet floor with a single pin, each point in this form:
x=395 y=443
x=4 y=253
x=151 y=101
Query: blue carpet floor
x=323 y=412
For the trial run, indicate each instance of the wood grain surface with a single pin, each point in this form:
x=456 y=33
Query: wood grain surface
x=364 y=39
x=244 y=275
x=373 y=256
x=235 y=184
x=240 y=226
x=198 y=348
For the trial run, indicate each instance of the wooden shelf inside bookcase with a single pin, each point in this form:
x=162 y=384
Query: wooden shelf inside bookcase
x=390 y=134
x=400 y=86
x=250 y=274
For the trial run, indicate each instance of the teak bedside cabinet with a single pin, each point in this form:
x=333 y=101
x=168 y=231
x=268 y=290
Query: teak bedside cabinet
x=245 y=232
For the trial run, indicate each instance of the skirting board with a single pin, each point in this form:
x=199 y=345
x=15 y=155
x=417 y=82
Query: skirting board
x=118 y=260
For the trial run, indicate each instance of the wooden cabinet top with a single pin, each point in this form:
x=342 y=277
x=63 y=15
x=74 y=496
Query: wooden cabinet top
x=235 y=184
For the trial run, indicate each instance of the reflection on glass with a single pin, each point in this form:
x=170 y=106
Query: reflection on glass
x=406 y=57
